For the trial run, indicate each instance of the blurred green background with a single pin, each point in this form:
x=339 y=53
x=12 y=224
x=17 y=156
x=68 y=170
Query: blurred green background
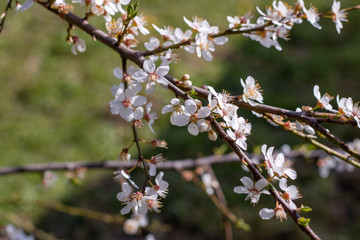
x=54 y=108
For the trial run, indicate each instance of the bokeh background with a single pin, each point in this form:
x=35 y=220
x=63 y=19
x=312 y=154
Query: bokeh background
x=54 y=108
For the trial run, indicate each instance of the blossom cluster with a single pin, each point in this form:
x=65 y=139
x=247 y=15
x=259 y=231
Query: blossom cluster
x=279 y=169
x=346 y=107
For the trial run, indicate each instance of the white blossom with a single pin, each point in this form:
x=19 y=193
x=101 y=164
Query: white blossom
x=252 y=91
x=253 y=190
x=323 y=101
x=338 y=16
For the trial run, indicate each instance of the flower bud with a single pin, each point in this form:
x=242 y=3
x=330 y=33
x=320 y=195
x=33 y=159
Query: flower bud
x=131 y=226
x=187 y=84
x=212 y=135
x=124 y=155
x=159 y=143
x=185 y=77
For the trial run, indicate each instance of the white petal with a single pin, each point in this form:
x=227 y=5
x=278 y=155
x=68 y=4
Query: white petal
x=193 y=129
x=262 y=183
x=293 y=192
x=27 y=4
x=152 y=170
x=190 y=106
x=149 y=66
x=248 y=183
x=181 y=120
x=207 y=56
x=167 y=109
x=162 y=70
x=118 y=73
x=220 y=40
x=126 y=188
x=283 y=184
x=241 y=189
x=138 y=113
x=138 y=101
x=175 y=101
x=126 y=209
x=266 y=213
x=150 y=87
x=317 y=92
x=204 y=112
x=291 y=173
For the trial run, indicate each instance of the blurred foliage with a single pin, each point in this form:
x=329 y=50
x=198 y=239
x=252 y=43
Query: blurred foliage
x=54 y=107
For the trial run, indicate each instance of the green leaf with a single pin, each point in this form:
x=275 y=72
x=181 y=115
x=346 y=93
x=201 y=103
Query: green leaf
x=305 y=209
x=303 y=221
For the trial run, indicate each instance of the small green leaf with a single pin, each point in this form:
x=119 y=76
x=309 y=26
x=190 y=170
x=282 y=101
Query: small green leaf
x=303 y=221
x=305 y=209
x=192 y=92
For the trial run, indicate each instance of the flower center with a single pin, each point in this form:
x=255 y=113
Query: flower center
x=153 y=77
x=194 y=118
x=127 y=102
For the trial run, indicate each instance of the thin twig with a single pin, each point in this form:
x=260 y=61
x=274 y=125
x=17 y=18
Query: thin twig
x=4 y=15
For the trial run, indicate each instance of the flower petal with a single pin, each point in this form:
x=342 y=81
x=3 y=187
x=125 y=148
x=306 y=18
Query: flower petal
x=241 y=189
x=193 y=129
x=190 y=106
x=266 y=213
x=149 y=66
x=248 y=183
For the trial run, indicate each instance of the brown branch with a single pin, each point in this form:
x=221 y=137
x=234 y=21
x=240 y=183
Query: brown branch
x=71 y=166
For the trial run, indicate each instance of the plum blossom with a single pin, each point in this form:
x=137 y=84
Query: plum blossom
x=338 y=15
x=175 y=108
x=152 y=44
x=122 y=175
x=153 y=161
x=350 y=109
x=253 y=190
x=241 y=130
x=79 y=45
x=278 y=211
x=277 y=166
x=323 y=101
x=221 y=105
x=290 y=193
x=252 y=91
x=137 y=201
x=153 y=75
x=312 y=16
x=161 y=187
x=126 y=100
x=204 y=46
x=139 y=23
x=150 y=117
x=14 y=233
x=194 y=116
x=167 y=33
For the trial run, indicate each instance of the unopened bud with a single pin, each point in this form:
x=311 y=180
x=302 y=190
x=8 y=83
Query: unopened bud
x=185 y=77
x=124 y=155
x=3 y=15
x=159 y=143
x=212 y=135
x=131 y=226
x=198 y=103
x=187 y=84
x=137 y=123
x=187 y=175
x=222 y=124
